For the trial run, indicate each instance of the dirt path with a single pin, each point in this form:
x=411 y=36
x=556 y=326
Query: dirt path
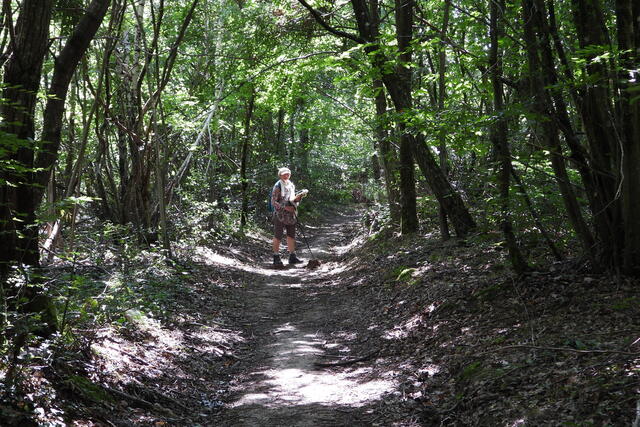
x=295 y=318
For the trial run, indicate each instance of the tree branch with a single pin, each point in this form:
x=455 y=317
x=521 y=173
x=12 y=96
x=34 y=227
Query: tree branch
x=316 y=15
x=8 y=23
x=64 y=67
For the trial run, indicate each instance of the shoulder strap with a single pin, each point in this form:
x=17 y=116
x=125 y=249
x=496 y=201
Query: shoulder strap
x=277 y=184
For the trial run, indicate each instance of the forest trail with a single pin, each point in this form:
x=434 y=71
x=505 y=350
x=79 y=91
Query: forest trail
x=295 y=318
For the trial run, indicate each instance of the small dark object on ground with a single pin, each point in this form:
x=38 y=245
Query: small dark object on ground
x=313 y=263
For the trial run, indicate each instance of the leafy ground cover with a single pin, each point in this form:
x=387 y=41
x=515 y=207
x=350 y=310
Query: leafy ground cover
x=388 y=331
x=477 y=346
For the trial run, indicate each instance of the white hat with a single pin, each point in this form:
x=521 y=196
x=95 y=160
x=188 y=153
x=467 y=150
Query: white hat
x=282 y=171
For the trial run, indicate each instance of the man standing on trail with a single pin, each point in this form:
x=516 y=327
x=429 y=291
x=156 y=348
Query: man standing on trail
x=284 y=202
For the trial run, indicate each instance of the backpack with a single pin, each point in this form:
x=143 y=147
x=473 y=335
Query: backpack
x=269 y=205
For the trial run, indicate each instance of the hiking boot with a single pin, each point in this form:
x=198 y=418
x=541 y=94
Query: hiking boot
x=293 y=259
x=277 y=262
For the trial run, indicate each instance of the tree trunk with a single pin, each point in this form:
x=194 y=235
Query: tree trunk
x=244 y=159
x=536 y=217
x=383 y=140
x=499 y=138
x=65 y=67
x=442 y=93
x=398 y=84
x=162 y=209
x=542 y=106
x=303 y=154
x=629 y=78
x=447 y=196
x=599 y=187
x=278 y=149
x=22 y=80
x=18 y=229
x=400 y=91
x=596 y=111
x=388 y=155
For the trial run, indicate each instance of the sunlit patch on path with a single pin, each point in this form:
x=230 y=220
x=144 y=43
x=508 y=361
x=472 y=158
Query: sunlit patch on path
x=292 y=379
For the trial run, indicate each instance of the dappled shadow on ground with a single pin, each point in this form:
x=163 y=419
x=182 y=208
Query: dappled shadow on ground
x=287 y=389
x=286 y=376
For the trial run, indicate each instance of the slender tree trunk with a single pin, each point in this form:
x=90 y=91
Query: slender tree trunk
x=269 y=139
x=400 y=91
x=545 y=31
x=387 y=153
x=290 y=148
x=70 y=126
x=562 y=56
x=164 y=232
x=522 y=191
x=96 y=175
x=595 y=165
x=593 y=179
x=398 y=84
x=244 y=159
x=303 y=153
x=542 y=106
x=402 y=86
x=133 y=121
x=279 y=145
x=499 y=138
x=447 y=196
x=442 y=93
